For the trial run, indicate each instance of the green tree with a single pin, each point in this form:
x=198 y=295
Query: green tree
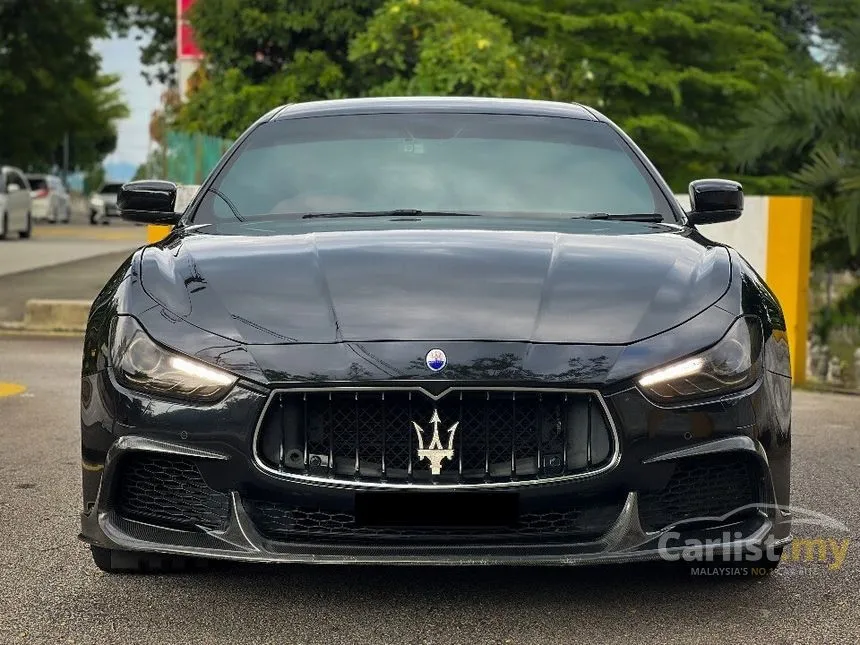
x=437 y=47
x=263 y=53
x=676 y=76
x=50 y=85
x=817 y=118
x=838 y=31
x=262 y=38
x=228 y=103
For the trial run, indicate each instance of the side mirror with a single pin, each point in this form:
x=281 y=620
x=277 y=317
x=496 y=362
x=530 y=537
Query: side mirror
x=149 y=202
x=715 y=200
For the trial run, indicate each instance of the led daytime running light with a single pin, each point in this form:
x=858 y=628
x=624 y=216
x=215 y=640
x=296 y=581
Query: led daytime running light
x=678 y=370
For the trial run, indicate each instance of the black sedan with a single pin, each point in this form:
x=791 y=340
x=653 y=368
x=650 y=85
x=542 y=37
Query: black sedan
x=435 y=331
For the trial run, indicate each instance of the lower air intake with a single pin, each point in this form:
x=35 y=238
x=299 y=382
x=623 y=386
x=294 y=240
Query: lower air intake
x=282 y=522
x=704 y=488
x=169 y=491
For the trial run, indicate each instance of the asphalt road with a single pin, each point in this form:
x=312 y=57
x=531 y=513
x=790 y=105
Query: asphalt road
x=50 y=592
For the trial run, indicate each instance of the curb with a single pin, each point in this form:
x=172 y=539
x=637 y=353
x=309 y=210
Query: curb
x=51 y=316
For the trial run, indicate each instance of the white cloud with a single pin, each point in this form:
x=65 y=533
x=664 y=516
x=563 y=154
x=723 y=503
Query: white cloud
x=122 y=56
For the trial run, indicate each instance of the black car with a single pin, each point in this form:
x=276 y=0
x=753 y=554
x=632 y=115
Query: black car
x=435 y=331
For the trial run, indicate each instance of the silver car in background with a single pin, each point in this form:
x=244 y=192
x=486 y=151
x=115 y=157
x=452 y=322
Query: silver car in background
x=50 y=199
x=103 y=203
x=15 y=202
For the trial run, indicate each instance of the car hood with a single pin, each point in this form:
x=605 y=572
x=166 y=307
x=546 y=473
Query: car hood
x=612 y=284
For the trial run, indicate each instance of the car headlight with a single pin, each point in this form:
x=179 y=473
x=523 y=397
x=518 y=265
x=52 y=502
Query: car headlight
x=732 y=364
x=140 y=364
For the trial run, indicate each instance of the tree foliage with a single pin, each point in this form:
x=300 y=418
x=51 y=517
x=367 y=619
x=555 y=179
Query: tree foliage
x=676 y=76
x=432 y=47
x=50 y=85
x=817 y=119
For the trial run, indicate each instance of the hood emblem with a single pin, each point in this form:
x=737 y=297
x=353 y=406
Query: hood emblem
x=435 y=452
x=436 y=360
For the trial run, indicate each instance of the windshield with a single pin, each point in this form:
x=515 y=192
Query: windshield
x=492 y=165
x=110 y=189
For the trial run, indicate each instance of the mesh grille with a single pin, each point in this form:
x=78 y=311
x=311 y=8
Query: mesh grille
x=369 y=435
x=701 y=487
x=169 y=491
x=281 y=522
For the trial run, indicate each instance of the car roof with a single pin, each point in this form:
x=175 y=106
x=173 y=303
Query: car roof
x=395 y=105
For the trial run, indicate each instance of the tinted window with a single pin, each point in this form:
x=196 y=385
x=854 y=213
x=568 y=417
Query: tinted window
x=489 y=164
x=110 y=189
x=37 y=183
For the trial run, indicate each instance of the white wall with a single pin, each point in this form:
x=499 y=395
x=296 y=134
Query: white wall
x=747 y=234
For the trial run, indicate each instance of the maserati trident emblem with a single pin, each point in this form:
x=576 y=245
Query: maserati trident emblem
x=435 y=452
x=436 y=360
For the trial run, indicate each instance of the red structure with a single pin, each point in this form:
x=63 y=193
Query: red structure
x=186 y=47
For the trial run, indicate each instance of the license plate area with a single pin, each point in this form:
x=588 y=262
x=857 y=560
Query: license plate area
x=427 y=509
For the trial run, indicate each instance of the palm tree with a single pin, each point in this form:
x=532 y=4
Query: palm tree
x=817 y=118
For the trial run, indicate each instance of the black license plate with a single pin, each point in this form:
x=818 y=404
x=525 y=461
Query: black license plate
x=418 y=508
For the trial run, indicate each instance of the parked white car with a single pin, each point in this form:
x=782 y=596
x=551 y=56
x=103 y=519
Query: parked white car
x=103 y=203
x=15 y=203
x=50 y=199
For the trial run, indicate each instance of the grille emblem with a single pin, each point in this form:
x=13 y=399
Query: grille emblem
x=435 y=452
x=436 y=360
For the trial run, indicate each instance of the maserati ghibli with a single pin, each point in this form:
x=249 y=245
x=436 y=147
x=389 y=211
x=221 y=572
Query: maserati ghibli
x=434 y=331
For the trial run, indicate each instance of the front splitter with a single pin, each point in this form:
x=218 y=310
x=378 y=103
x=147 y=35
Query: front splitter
x=625 y=541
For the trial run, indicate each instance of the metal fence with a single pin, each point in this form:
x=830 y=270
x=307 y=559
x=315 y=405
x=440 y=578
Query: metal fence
x=189 y=157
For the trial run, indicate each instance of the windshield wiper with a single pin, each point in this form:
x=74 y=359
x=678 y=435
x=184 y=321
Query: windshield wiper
x=408 y=212
x=625 y=217
x=230 y=204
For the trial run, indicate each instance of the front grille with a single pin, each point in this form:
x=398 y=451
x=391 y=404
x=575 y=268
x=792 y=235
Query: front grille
x=168 y=491
x=701 y=487
x=371 y=435
x=282 y=522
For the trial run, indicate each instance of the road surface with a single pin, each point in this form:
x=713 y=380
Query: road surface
x=56 y=244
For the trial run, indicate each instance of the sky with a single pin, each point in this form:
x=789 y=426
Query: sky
x=121 y=56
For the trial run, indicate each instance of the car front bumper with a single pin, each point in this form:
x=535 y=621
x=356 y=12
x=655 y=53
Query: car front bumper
x=218 y=438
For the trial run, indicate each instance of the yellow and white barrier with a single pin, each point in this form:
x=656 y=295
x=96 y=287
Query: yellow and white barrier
x=774 y=235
